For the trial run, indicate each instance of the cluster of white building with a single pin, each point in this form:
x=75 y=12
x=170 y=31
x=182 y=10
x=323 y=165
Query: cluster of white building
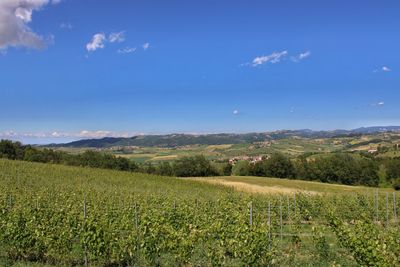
x=251 y=159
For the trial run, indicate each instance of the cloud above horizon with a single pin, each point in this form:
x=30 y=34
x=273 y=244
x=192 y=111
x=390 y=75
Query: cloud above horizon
x=66 y=25
x=97 y=42
x=84 y=134
x=276 y=57
x=383 y=69
x=116 y=37
x=126 y=50
x=146 y=46
x=301 y=56
x=378 y=104
x=15 y=15
x=273 y=58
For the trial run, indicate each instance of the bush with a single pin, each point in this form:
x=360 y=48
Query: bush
x=396 y=184
x=392 y=169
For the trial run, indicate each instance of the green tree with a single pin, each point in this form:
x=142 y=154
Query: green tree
x=194 y=166
x=241 y=168
x=227 y=169
x=279 y=166
x=165 y=169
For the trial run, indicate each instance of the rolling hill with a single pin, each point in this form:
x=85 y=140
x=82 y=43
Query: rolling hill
x=176 y=140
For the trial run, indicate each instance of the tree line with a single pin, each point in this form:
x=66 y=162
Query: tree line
x=184 y=167
x=342 y=168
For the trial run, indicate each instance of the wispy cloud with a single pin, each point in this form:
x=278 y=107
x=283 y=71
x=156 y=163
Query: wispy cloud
x=84 y=134
x=97 y=42
x=301 y=56
x=116 y=37
x=378 y=104
x=15 y=15
x=126 y=50
x=67 y=26
x=273 y=58
x=276 y=57
x=383 y=69
x=235 y=112
x=146 y=46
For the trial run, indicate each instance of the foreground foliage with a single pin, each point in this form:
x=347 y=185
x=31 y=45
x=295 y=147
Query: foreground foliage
x=66 y=215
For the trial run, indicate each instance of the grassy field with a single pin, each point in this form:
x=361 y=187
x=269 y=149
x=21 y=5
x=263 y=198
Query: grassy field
x=284 y=186
x=61 y=216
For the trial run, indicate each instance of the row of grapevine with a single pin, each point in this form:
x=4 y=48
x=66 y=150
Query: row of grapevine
x=73 y=216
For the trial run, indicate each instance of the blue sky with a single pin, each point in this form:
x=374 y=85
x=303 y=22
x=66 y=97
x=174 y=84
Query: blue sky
x=73 y=69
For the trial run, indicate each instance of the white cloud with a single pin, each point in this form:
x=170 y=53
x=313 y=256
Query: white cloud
x=146 y=46
x=235 y=112
x=301 y=56
x=67 y=26
x=126 y=50
x=378 y=104
x=55 y=134
x=94 y=134
x=272 y=58
x=116 y=37
x=55 y=2
x=97 y=42
x=15 y=15
x=84 y=134
x=383 y=69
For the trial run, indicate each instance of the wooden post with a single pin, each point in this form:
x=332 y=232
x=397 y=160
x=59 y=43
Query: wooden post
x=280 y=211
x=136 y=217
x=387 y=209
x=269 y=225
x=251 y=213
x=394 y=208
x=137 y=228
x=84 y=208
x=84 y=218
x=10 y=203
x=376 y=205
x=288 y=207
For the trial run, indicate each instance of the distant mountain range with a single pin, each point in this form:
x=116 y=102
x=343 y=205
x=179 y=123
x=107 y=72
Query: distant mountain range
x=175 y=140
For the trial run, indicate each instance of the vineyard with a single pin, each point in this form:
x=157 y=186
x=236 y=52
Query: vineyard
x=59 y=215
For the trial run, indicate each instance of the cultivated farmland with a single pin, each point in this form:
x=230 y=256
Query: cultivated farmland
x=59 y=215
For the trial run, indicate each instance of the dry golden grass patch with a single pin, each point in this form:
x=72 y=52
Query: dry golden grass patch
x=167 y=157
x=269 y=185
